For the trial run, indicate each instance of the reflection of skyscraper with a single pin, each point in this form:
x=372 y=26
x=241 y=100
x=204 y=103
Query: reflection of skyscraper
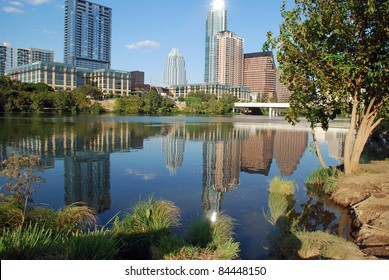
x=216 y=22
x=257 y=152
x=211 y=202
x=87 y=179
x=221 y=164
x=335 y=141
x=173 y=147
x=289 y=147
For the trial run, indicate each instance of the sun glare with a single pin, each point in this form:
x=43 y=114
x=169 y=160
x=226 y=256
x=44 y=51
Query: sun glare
x=218 y=4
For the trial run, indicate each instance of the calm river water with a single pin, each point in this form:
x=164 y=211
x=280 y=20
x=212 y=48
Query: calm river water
x=206 y=165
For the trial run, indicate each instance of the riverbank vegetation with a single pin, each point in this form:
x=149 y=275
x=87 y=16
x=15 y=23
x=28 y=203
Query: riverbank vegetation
x=16 y=96
x=144 y=232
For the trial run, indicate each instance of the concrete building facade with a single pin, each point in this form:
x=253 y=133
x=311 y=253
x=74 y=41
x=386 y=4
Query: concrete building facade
x=242 y=93
x=61 y=76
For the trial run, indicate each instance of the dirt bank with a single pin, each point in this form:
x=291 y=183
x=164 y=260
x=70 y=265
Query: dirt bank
x=367 y=196
x=107 y=104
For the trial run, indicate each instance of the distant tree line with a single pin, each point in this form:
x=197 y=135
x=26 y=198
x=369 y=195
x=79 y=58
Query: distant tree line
x=16 y=96
x=150 y=102
x=203 y=103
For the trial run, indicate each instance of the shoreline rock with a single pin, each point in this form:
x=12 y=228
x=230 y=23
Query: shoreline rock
x=366 y=194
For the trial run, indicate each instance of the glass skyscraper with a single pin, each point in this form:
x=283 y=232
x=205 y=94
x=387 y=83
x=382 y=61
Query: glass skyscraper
x=216 y=22
x=87 y=35
x=174 y=73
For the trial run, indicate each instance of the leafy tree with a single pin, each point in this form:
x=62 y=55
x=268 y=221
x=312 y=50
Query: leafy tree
x=205 y=97
x=62 y=101
x=81 y=102
x=334 y=57
x=128 y=105
x=90 y=91
x=228 y=101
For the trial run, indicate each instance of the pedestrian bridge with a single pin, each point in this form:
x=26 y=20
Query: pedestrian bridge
x=274 y=108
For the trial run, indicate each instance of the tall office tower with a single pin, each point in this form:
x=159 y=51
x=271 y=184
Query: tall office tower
x=260 y=74
x=12 y=57
x=174 y=73
x=216 y=22
x=87 y=35
x=229 y=59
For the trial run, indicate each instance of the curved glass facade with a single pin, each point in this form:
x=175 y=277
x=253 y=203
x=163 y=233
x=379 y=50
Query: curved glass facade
x=216 y=22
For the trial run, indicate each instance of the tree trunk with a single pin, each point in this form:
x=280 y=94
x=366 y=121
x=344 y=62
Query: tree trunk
x=317 y=149
x=362 y=128
x=348 y=142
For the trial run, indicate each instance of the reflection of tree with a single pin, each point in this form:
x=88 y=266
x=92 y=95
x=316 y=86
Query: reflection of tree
x=315 y=217
x=288 y=222
x=317 y=212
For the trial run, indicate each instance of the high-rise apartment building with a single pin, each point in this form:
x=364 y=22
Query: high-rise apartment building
x=260 y=74
x=230 y=55
x=87 y=35
x=11 y=57
x=174 y=73
x=216 y=22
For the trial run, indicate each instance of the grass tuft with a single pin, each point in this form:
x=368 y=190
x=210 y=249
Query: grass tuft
x=282 y=187
x=325 y=177
x=75 y=217
x=11 y=215
x=96 y=245
x=31 y=243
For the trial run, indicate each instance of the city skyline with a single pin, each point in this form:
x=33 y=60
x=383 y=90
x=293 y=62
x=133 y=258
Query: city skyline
x=142 y=32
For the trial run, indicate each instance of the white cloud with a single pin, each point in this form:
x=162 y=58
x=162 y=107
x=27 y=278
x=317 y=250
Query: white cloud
x=37 y=2
x=142 y=175
x=12 y=10
x=16 y=3
x=143 y=44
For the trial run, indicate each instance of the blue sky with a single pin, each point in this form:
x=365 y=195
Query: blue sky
x=143 y=31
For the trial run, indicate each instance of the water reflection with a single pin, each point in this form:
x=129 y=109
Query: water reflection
x=228 y=150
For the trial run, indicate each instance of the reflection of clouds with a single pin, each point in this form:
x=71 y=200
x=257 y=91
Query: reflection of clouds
x=142 y=175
